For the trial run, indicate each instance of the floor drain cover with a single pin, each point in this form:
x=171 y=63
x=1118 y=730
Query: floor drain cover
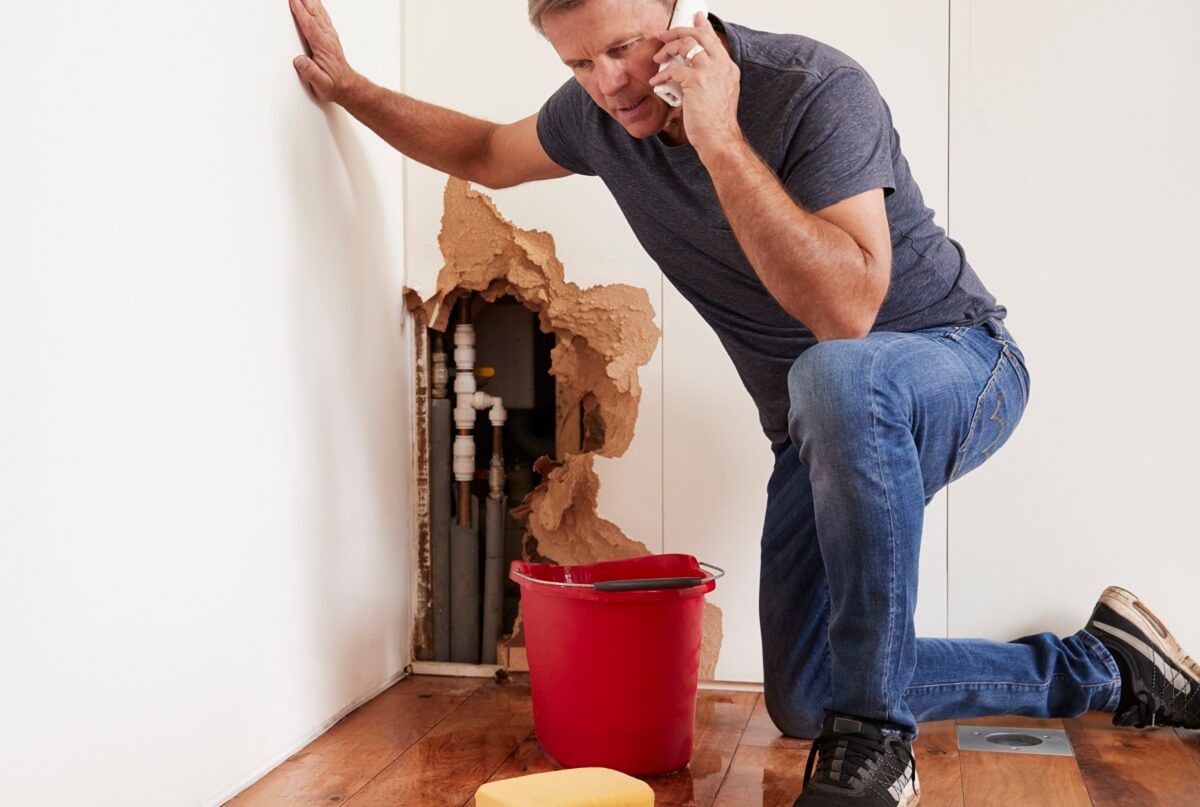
x=1010 y=740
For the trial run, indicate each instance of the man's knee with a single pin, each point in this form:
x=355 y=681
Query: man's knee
x=828 y=388
x=794 y=717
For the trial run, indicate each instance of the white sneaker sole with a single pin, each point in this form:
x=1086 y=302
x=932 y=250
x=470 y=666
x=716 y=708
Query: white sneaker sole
x=1127 y=605
x=911 y=798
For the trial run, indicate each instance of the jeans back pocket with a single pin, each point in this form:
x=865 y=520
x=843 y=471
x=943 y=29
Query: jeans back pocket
x=997 y=412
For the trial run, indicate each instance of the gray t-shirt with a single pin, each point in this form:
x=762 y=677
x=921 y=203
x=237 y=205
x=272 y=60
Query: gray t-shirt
x=817 y=119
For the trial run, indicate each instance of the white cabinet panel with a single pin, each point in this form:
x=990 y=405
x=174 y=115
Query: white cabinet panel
x=1073 y=131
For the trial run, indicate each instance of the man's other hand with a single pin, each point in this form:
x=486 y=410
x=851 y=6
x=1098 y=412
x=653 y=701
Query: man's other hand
x=326 y=72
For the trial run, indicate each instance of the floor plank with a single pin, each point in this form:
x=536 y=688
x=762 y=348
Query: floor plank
x=528 y=758
x=721 y=718
x=338 y=763
x=1124 y=767
x=430 y=742
x=447 y=766
x=761 y=732
x=1191 y=742
x=993 y=779
x=938 y=767
x=765 y=776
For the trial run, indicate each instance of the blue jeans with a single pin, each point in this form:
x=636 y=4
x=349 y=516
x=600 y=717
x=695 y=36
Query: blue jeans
x=877 y=426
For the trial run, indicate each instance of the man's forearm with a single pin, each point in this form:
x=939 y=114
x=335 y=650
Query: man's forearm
x=438 y=137
x=812 y=267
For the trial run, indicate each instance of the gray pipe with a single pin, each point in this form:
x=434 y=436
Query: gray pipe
x=493 y=577
x=441 y=478
x=464 y=589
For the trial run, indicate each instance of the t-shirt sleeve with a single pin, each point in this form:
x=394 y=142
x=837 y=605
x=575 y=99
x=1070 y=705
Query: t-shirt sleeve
x=841 y=142
x=561 y=129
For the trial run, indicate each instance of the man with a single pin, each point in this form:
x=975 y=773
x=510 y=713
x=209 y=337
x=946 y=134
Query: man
x=878 y=360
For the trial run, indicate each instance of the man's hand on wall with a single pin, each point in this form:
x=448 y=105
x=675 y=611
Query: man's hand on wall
x=326 y=72
x=710 y=80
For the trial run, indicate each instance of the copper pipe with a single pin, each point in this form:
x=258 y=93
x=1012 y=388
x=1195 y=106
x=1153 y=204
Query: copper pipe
x=464 y=504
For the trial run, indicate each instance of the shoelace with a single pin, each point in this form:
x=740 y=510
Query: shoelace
x=859 y=751
x=1151 y=705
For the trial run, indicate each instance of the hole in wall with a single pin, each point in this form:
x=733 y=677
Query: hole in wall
x=596 y=339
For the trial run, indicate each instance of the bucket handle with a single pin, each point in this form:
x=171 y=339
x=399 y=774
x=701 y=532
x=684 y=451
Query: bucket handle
x=634 y=585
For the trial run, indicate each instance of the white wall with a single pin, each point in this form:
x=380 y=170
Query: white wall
x=1073 y=184
x=205 y=462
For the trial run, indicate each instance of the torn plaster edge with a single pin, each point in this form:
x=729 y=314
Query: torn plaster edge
x=421 y=491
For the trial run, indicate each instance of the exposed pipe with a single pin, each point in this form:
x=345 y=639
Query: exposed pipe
x=464 y=588
x=441 y=471
x=493 y=569
x=464 y=417
x=468 y=642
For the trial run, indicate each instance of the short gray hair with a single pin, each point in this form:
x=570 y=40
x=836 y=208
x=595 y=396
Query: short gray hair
x=540 y=8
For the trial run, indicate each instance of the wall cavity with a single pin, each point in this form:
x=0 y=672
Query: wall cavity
x=604 y=335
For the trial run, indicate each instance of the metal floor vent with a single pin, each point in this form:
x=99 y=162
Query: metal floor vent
x=1010 y=740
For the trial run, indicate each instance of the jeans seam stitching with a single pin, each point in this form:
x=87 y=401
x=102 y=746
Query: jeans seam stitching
x=891 y=527
x=1046 y=685
x=1101 y=652
x=961 y=454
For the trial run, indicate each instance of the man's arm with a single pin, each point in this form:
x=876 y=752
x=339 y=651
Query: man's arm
x=830 y=269
x=490 y=154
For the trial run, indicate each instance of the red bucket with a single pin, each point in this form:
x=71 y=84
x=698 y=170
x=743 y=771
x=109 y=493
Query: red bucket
x=614 y=658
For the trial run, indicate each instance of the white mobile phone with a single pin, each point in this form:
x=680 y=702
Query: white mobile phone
x=683 y=16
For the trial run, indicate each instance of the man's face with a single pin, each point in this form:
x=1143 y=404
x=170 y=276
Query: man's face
x=609 y=46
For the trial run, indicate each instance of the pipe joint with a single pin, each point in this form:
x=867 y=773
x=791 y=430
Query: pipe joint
x=497 y=414
x=464 y=384
x=464 y=459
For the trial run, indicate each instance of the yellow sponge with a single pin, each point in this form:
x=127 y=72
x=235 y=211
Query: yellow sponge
x=577 y=787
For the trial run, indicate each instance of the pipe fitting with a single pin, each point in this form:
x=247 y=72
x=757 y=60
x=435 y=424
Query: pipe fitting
x=497 y=414
x=496 y=478
x=464 y=459
x=464 y=419
x=464 y=384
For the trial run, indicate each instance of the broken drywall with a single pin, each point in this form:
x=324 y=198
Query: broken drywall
x=604 y=334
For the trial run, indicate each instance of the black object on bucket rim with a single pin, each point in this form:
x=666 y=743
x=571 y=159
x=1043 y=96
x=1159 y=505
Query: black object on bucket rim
x=634 y=585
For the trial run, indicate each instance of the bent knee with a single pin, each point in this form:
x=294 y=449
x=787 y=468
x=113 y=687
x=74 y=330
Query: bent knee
x=801 y=720
x=828 y=388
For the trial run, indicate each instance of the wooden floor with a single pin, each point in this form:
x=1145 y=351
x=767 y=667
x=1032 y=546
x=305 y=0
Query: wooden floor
x=430 y=742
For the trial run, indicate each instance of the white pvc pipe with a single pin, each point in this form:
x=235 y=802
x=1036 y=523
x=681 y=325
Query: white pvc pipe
x=468 y=400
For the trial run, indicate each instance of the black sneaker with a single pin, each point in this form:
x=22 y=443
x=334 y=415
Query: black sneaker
x=1160 y=684
x=859 y=765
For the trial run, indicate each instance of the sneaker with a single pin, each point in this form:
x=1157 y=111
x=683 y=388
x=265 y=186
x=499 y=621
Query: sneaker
x=858 y=764
x=1160 y=684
